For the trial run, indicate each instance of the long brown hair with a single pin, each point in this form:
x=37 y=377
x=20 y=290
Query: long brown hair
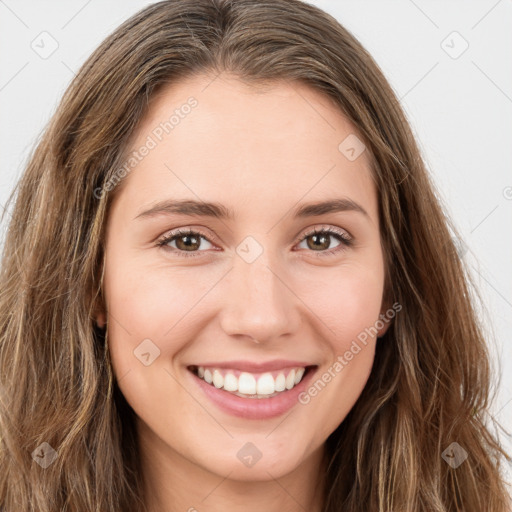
x=431 y=380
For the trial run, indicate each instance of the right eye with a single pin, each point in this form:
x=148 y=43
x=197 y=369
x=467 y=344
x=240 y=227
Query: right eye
x=187 y=242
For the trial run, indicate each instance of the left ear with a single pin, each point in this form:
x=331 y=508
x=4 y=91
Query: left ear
x=99 y=309
x=101 y=320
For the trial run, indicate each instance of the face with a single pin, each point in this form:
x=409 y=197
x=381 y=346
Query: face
x=219 y=267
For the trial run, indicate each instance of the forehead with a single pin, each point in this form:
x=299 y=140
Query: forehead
x=218 y=136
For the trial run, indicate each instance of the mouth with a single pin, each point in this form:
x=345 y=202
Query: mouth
x=243 y=384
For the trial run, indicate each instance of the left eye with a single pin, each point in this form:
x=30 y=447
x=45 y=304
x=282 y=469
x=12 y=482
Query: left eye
x=321 y=240
x=188 y=242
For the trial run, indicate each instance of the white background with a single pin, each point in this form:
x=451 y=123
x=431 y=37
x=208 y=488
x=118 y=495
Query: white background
x=460 y=109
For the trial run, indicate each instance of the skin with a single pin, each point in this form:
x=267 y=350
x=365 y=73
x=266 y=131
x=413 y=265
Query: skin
x=261 y=153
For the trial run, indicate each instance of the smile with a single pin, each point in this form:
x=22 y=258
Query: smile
x=251 y=385
x=233 y=386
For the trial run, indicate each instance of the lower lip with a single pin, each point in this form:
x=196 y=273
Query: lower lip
x=254 y=408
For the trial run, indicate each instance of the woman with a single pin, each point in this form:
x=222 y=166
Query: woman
x=228 y=282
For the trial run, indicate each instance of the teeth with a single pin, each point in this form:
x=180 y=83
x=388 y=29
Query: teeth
x=298 y=375
x=230 y=382
x=218 y=379
x=246 y=384
x=266 y=385
x=290 y=380
x=280 y=384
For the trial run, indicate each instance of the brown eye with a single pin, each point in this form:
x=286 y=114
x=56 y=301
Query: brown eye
x=185 y=242
x=188 y=242
x=320 y=241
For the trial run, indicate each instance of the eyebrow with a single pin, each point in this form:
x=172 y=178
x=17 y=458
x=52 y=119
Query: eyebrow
x=219 y=211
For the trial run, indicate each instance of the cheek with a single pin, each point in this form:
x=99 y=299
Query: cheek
x=152 y=301
x=155 y=303
x=349 y=301
x=349 y=304
x=151 y=311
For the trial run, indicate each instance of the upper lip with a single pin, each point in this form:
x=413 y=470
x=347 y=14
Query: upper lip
x=253 y=367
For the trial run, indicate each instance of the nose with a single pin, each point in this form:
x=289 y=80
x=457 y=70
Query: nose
x=258 y=303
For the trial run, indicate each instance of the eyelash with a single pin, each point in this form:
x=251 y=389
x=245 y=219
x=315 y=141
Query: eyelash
x=345 y=241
